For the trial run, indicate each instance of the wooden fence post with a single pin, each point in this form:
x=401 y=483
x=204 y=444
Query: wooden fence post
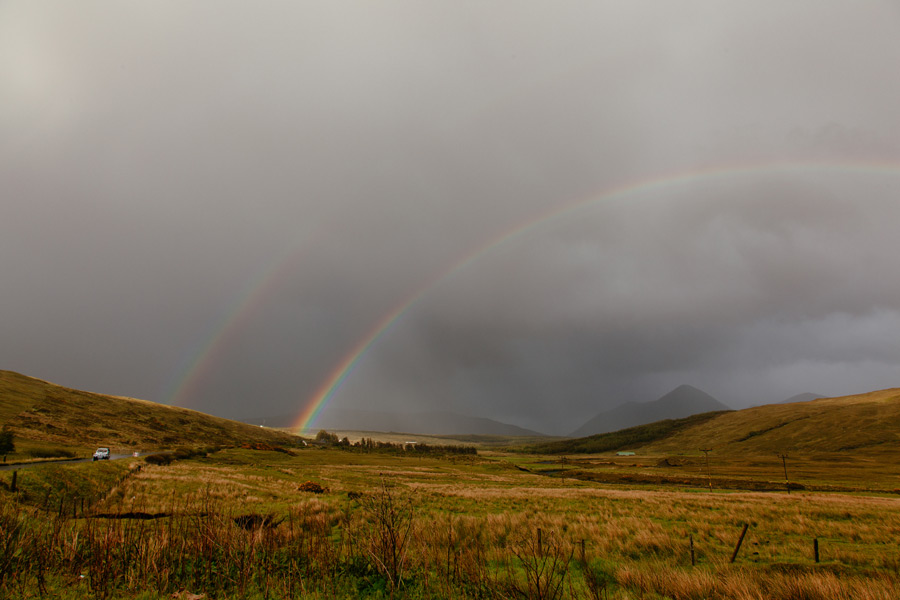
x=693 y=560
x=12 y=486
x=816 y=548
x=706 y=452
x=740 y=541
x=540 y=552
x=787 y=482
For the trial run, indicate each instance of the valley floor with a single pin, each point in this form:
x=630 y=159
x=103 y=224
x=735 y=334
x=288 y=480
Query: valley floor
x=330 y=523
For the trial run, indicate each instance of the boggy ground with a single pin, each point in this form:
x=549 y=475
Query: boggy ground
x=236 y=525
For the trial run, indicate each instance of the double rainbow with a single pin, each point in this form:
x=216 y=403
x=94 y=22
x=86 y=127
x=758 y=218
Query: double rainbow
x=314 y=405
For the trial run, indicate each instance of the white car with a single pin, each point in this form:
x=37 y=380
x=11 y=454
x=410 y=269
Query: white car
x=101 y=454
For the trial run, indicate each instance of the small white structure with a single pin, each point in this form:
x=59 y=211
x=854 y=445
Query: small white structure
x=625 y=453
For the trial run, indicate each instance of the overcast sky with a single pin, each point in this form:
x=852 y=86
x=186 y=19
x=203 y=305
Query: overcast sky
x=213 y=203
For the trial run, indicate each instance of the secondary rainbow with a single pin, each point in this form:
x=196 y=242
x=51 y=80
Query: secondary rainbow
x=329 y=386
x=196 y=364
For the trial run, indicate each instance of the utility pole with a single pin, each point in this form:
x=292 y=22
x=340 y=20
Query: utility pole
x=706 y=452
x=784 y=464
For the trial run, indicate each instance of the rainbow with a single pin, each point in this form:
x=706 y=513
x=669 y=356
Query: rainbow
x=196 y=364
x=329 y=386
x=343 y=369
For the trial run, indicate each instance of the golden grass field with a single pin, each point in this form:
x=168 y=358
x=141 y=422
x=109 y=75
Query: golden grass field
x=473 y=526
x=231 y=522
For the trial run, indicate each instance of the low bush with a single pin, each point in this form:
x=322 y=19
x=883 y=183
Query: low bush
x=312 y=487
x=158 y=459
x=50 y=453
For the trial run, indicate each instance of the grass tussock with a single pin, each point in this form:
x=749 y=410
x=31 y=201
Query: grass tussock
x=744 y=584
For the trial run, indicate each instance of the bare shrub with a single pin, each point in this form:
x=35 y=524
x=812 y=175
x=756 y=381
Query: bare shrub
x=255 y=521
x=390 y=519
x=50 y=453
x=158 y=459
x=544 y=558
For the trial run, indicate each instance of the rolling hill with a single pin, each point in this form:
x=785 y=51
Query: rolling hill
x=863 y=424
x=805 y=397
x=681 y=402
x=624 y=439
x=40 y=412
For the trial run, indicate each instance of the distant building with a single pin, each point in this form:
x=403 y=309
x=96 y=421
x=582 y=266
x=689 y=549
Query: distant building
x=625 y=453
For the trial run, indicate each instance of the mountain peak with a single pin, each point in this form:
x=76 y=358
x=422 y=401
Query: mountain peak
x=684 y=387
x=683 y=401
x=687 y=393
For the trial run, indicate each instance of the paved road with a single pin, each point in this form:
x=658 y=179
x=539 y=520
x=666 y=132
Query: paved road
x=66 y=461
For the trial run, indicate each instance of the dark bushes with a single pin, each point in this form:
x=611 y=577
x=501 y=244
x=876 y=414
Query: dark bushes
x=50 y=453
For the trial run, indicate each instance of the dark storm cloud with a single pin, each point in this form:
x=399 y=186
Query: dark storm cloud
x=158 y=161
x=755 y=278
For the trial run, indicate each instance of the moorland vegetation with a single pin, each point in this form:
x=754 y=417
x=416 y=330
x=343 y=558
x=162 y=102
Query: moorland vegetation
x=345 y=519
x=245 y=523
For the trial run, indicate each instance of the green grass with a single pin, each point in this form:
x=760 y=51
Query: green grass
x=47 y=485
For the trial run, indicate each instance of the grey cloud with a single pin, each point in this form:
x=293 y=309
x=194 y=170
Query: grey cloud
x=282 y=179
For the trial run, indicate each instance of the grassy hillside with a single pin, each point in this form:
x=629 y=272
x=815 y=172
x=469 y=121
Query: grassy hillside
x=44 y=414
x=632 y=437
x=862 y=424
x=18 y=393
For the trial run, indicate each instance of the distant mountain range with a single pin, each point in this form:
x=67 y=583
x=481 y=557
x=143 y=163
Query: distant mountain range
x=436 y=422
x=683 y=401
